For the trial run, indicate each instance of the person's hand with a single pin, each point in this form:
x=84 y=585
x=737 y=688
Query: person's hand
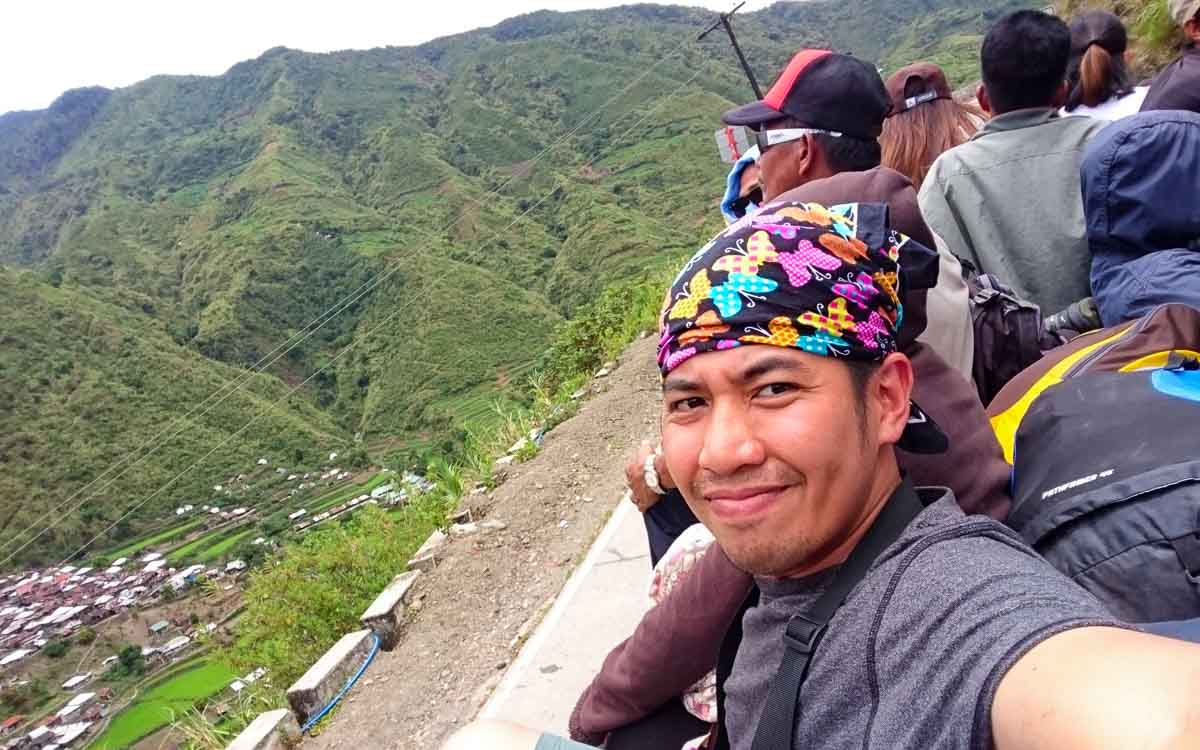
x=640 y=493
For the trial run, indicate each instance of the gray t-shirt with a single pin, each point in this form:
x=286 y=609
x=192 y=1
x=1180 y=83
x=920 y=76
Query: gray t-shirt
x=913 y=658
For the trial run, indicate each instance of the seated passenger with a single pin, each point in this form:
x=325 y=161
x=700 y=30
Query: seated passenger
x=1139 y=190
x=1178 y=85
x=743 y=192
x=1021 y=171
x=925 y=122
x=1097 y=76
x=930 y=629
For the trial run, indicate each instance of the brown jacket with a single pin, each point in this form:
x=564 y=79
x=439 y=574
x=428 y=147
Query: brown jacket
x=677 y=642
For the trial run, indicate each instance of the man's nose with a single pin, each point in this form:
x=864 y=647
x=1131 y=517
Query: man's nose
x=730 y=443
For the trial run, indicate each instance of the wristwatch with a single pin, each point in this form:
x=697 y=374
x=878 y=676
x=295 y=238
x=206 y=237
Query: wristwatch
x=650 y=474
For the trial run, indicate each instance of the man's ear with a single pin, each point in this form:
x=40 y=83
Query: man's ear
x=1060 y=96
x=891 y=391
x=985 y=103
x=804 y=159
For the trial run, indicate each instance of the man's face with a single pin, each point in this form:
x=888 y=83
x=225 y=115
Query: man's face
x=771 y=453
x=778 y=166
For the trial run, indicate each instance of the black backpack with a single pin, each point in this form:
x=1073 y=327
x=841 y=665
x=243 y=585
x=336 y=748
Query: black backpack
x=1106 y=486
x=1008 y=335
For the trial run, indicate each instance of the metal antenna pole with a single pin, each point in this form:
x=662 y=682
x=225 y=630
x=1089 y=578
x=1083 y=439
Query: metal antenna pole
x=724 y=21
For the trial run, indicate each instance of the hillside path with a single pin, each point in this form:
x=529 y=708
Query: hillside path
x=486 y=597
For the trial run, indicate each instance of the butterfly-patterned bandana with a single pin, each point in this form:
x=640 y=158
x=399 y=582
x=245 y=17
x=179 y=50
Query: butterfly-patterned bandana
x=823 y=280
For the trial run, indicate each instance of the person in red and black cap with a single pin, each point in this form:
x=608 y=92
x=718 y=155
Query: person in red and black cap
x=822 y=116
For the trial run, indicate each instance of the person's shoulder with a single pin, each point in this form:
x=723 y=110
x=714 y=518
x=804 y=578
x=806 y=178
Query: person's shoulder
x=1081 y=122
x=943 y=538
x=953 y=569
x=943 y=169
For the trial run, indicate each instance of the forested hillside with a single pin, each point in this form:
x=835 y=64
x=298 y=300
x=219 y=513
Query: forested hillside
x=463 y=197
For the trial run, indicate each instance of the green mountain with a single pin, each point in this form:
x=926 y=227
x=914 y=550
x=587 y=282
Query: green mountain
x=463 y=197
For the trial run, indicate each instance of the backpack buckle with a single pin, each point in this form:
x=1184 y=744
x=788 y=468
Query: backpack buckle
x=802 y=634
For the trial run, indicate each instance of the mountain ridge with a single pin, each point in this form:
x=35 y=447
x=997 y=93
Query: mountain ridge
x=218 y=216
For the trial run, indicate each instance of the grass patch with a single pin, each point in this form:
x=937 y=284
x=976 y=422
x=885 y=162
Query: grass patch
x=314 y=592
x=223 y=547
x=195 y=547
x=168 y=535
x=163 y=703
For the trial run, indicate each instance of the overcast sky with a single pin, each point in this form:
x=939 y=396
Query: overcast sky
x=49 y=46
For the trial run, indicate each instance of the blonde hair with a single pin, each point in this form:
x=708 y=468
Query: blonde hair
x=913 y=139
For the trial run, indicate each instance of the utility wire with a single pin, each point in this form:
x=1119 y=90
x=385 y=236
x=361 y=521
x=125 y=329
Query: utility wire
x=156 y=442
x=329 y=364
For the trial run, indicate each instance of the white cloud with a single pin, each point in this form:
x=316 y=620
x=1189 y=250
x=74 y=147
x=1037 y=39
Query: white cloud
x=49 y=46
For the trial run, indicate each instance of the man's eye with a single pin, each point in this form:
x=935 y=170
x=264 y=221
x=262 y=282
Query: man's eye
x=687 y=404
x=776 y=389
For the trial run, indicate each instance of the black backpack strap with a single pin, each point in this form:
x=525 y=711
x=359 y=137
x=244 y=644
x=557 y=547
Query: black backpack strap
x=725 y=659
x=777 y=725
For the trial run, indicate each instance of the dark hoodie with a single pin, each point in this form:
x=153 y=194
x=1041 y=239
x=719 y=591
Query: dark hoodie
x=1143 y=217
x=677 y=642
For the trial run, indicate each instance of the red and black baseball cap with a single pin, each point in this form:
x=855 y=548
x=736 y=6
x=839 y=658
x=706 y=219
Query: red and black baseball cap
x=825 y=90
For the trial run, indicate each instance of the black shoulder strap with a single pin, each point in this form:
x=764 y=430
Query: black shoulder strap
x=725 y=659
x=777 y=725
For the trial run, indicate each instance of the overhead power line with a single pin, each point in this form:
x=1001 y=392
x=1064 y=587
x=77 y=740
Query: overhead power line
x=411 y=301
x=151 y=446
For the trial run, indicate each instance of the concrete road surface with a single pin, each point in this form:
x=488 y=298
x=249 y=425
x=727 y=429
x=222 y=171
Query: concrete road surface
x=599 y=607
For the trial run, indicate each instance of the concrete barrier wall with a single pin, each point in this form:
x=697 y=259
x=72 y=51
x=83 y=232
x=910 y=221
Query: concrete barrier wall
x=274 y=730
x=385 y=617
x=310 y=694
x=323 y=680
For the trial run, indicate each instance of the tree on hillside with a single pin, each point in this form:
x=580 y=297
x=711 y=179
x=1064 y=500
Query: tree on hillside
x=357 y=458
x=250 y=553
x=277 y=523
x=130 y=663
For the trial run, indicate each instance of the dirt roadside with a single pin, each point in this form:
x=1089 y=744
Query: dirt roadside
x=480 y=601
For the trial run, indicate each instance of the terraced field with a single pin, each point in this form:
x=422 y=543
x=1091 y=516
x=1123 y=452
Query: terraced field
x=211 y=547
x=194 y=551
x=164 y=702
x=223 y=547
x=339 y=496
x=161 y=537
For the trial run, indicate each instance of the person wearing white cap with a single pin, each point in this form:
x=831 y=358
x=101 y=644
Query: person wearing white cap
x=1178 y=85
